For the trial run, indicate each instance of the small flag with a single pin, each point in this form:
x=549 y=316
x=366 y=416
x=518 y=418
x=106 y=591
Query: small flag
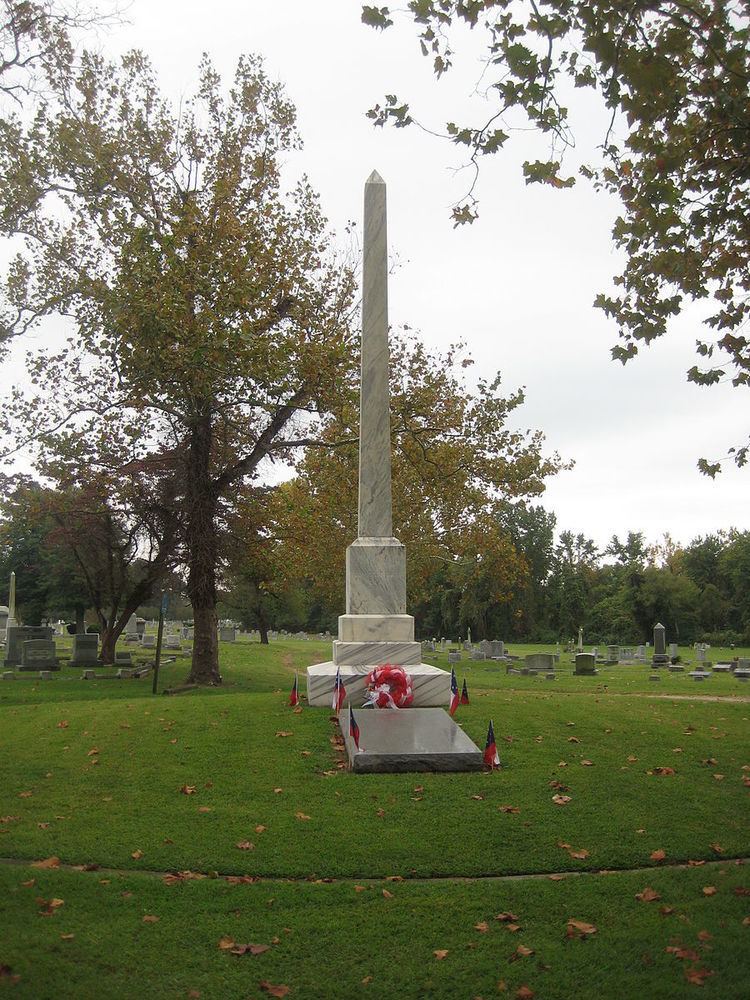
x=454 y=692
x=354 y=728
x=294 y=693
x=464 y=694
x=490 y=749
x=339 y=692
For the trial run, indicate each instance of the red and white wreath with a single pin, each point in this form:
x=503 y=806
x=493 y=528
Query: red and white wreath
x=389 y=687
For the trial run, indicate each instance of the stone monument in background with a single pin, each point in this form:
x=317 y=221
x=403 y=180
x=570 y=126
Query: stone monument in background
x=375 y=628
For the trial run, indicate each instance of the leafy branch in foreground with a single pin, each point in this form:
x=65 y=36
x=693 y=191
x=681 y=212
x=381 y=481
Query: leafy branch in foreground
x=674 y=77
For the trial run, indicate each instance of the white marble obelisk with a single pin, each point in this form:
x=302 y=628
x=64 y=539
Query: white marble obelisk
x=11 y=603
x=376 y=628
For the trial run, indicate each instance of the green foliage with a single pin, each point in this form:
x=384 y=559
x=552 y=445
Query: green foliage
x=676 y=153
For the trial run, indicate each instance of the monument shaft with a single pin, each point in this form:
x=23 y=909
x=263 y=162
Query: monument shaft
x=375 y=503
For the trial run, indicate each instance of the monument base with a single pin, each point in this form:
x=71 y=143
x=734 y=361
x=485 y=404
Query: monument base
x=421 y=739
x=431 y=685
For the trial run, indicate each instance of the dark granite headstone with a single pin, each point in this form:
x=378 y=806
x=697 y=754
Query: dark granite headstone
x=39 y=654
x=85 y=650
x=585 y=663
x=410 y=739
x=17 y=635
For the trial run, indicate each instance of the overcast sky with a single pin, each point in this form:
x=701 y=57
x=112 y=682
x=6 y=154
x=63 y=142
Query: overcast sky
x=517 y=286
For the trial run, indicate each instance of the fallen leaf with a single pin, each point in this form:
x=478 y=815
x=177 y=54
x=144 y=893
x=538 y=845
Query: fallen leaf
x=418 y=788
x=561 y=800
x=137 y=855
x=285 y=732
x=150 y=919
x=274 y=991
x=387 y=895
x=245 y=845
x=25 y=795
x=587 y=763
x=360 y=888
x=367 y=980
x=188 y=789
x=523 y=952
x=507 y=917
x=249 y=949
x=746 y=922
x=555 y=878
x=717 y=848
x=278 y=791
x=28 y=884
x=93 y=752
x=579 y=855
x=684 y=954
x=648 y=895
x=697 y=976
x=301 y=816
x=658 y=855
x=52 y=862
x=709 y=890
x=695 y=864
x=482 y=927
x=67 y=937
x=632 y=759
x=440 y=953
x=573 y=739
x=509 y=809
x=666 y=910
x=578 y=928
x=204 y=809
x=718 y=777
x=524 y=993
x=225 y=943
x=63 y=724
x=298 y=710
x=478 y=798
x=705 y=936
x=663 y=771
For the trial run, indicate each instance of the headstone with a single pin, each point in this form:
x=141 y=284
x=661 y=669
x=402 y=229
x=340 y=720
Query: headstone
x=140 y=626
x=85 y=650
x=660 y=657
x=467 y=645
x=172 y=642
x=585 y=663
x=672 y=650
x=539 y=662
x=654 y=677
x=16 y=635
x=45 y=675
x=486 y=647
x=9 y=675
x=641 y=654
x=700 y=653
x=613 y=654
x=148 y=641
x=227 y=634
x=88 y=675
x=497 y=648
x=123 y=657
x=132 y=625
x=477 y=654
x=415 y=739
x=39 y=654
x=3 y=618
x=125 y=673
x=722 y=667
x=454 y=657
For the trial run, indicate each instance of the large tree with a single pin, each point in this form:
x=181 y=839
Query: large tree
x=209 y=321
x=674 y=76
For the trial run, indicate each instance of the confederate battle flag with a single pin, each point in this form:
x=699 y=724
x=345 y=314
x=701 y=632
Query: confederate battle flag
x=464 y=694
x=354 y=728
x=294 y=693
x=454 y=692
x=339 y=692
x=490 y=749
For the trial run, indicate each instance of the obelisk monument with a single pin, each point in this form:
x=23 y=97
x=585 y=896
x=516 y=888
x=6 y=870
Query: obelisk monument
x=376 y=628
x=11 y=602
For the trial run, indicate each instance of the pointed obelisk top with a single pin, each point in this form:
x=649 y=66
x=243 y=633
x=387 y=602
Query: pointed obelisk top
x=374 y=178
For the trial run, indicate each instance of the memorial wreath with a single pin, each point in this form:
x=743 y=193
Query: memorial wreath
x=389 y=687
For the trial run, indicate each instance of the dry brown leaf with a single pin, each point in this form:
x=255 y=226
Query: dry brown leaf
x=718 y=777
x=705 y=936
x=509 y=809
x=367 y=980
x=666 y=910
x=137 y=855
x=579 y=855
x=28 y=884
x=298 y=710
x=273 y=991
x=573 y=739
x=482 y=927
x=658 y=855
x=524 y=993
x=360 y=888
x=746 y=922
x=150 y=919
x=697 y=976
x=523 y=952
x=301 y=816
x=52 y=862
x=632 y=759
x=440 y=953
x=663 y=771
x=561 y=800
x=717 y=849
x=63 y=725
x=25 y=795
x=387 y=895
x=513 y=928
x=578 y=928
x=285 y=732
x=478 y=798
x=245 y=845
x=709 y=890
x=587 y=763
x=684 y=954
x=507 y=917
x=225 y=943
x=555 y=878
x=204 y=809
x=188 y=789
x=648 y=895
x=249 y=949
x=67 y=937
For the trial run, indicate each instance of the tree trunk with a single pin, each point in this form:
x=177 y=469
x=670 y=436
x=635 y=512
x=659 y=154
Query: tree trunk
x=200 y=537
x=107 y=652
x=80 y=620
x=262 y=627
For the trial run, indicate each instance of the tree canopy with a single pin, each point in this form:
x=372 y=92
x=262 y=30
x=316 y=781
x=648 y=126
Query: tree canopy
x=674 y=77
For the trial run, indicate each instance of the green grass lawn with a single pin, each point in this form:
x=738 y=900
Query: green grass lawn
x=104 y=773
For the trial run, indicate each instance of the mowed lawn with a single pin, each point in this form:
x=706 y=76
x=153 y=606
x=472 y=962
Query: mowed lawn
x=235 y=786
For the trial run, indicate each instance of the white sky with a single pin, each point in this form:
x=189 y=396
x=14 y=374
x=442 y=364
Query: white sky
x=517 y=286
